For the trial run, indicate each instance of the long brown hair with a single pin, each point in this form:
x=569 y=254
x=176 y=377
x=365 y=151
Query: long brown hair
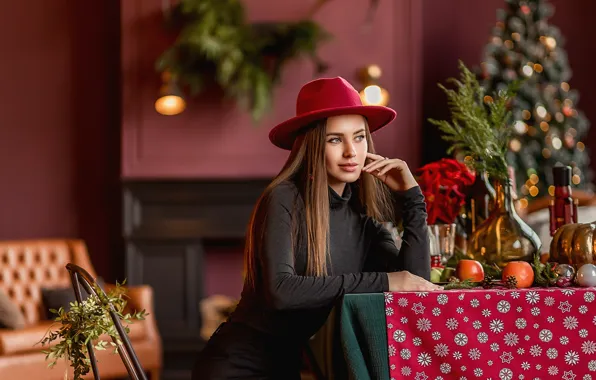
x=305 y=167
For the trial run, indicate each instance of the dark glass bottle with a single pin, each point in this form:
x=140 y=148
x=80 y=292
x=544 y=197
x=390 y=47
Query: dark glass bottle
x=562 y=208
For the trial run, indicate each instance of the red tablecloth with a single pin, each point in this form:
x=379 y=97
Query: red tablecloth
x=492 y=334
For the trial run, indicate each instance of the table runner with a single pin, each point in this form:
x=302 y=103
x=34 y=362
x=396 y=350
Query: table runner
x=492 y=334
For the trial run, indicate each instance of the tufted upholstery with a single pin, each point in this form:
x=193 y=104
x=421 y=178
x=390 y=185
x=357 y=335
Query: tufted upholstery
x=30 y=265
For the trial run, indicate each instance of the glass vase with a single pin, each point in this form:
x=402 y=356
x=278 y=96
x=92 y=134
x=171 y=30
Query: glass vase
x=442 y=243
x=504 y=236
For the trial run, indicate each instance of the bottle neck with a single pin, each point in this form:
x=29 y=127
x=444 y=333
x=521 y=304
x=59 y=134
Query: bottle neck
x=504 y=197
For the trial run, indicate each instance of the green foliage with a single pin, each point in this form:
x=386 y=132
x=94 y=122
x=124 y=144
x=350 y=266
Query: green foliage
x=86 y=322
x=544 y=274
x=478 y=128
x=548 y=127
x=216 y=45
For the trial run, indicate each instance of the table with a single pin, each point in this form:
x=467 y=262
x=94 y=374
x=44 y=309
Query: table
x=471 y=334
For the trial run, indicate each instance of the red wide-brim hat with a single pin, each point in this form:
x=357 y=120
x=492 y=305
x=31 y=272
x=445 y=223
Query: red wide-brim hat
x=322 y=98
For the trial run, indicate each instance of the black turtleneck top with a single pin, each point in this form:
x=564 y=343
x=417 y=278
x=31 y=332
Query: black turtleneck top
x=288 y=304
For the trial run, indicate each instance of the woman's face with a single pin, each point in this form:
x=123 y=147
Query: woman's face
x=345 y=150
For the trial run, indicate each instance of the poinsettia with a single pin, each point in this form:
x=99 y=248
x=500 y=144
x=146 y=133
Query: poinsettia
x=444 y=184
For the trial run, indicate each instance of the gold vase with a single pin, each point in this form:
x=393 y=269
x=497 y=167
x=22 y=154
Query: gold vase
x=504 y=236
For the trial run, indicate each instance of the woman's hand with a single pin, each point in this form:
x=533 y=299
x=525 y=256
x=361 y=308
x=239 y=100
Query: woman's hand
x=405 y=281
x=392 y=171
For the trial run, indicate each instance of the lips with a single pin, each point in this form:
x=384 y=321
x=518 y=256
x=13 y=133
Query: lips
x=351 y=164
x=349 y=167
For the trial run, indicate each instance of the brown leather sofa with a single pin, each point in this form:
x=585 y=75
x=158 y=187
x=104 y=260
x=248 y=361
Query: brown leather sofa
x=26 y=266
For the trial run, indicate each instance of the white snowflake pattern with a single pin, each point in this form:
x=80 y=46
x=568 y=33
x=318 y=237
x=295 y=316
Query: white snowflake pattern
x=553 y=370
x=583 y=333
x=532 y=297
x=568 y=292
x=494 y=347
x=421 y=376
x=592 y=365
x=436 y=335
x=482 y=337
x=589 y=297
x=404 y=320
x=445 y=368
x=501 y=292
x=527 y=337
x=538 y=367
x=490 y=363
x=503 y=306
x=545 y=335
x=519 y=309
x=442 y=299
x=441 y=350
x=487 y=296
x=388 y=297
x=583 y=309
x=463 y=368
x=424 y=324
x=564 y=340
x=392 y=367
x=594 y=320
x=477 y=372
x=521 y=351
x=535 y=311
x=536 y=325
x=570 y=323
x=466 y=319
x=549 y=301
x=515 y=295
x=587 y=377
x=424 y=359
x=474 y=354
x=439 y=378
x=399 y=336
x=403 y=302
x=552 y=353
x=589 y=347
x=506 y=357
x=550 y=319
x=496 y=326
x=452 y=323
x=457 y=355
x=535 y=350
x=391 y=350
x=417 y=341
x=436 y=311
x=526 y=366
x=474 y=302
x=461 y=297
x=565 y=306
x=418 y=308
x=477 y=325
x=506 y=374
x=511 y=339
x=521 y=323
x=405 y=354
x=389 y=311
x=406 y=371
x=486 y=313
x=422 y=294
x=571 y=357
x=461 y=339
x=390 y=325
x=459 y=310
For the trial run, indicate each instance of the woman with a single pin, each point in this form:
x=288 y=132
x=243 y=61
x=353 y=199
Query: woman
x=315 y=235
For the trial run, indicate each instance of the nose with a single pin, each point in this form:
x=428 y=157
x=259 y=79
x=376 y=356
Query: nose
x=349 y=150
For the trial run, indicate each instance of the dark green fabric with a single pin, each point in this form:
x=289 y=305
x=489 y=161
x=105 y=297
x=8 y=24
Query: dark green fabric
x=364 y=337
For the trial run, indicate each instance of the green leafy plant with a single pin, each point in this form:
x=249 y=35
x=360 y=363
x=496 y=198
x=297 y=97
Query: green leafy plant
x=479 y=123
x=217 y=45
x=87 y=322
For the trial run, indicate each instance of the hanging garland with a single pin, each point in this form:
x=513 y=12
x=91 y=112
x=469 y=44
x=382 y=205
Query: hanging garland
x=216 y=45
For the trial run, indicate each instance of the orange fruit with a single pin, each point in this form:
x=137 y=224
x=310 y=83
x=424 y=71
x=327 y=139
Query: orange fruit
x=469 y=270
x=522 y=271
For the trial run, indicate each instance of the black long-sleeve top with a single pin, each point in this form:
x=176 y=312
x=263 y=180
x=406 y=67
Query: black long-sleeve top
x=289 y=304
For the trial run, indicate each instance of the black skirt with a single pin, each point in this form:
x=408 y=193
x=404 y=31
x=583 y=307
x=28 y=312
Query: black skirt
x=237 y=351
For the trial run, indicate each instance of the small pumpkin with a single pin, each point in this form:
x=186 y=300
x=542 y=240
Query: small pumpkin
x=574 y=244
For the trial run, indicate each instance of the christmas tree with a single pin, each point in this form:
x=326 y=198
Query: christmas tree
x=548 y=128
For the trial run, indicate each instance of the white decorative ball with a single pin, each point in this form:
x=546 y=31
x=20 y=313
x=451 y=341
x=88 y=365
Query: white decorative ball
x=586 y=275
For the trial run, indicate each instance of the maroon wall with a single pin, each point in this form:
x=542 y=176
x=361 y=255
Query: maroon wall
x=59 y=123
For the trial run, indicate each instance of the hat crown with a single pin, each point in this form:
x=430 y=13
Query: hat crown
x=326 y=93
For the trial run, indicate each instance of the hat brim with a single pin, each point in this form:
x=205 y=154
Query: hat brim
x=284 y=134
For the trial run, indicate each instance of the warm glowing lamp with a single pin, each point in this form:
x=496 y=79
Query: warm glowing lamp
x=170 y=101
x=372 y=94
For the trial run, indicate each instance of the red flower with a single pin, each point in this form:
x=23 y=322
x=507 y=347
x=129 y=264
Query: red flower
x=443 y=184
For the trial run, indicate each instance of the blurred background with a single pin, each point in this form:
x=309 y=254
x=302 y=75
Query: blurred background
x=163 y=200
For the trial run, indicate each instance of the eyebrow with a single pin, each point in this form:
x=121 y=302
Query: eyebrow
x=341 y=134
